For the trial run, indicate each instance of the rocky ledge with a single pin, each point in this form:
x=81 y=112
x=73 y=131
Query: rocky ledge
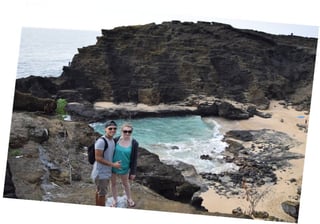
x=167 y=63
x=174 y=68
x=52 y=152
x=101 y=111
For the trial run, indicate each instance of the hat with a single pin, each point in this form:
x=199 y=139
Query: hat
x=110 y=123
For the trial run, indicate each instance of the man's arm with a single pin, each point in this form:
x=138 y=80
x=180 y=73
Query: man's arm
x=100 y=159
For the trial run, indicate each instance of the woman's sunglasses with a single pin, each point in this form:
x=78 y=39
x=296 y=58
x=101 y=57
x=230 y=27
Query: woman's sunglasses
x=127 y=131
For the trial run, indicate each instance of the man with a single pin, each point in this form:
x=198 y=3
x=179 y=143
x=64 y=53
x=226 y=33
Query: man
x=101 y=172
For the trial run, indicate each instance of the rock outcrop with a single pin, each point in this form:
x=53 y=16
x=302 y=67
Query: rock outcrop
x=173 y=68
x=28 y=102
x=9 y=187
x=47 y=156
x=168 y=62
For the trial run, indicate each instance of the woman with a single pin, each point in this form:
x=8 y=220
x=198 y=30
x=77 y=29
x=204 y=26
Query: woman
x=102 y=167
x=126 y=151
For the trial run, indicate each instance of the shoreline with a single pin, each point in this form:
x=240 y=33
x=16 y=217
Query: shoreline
x=284 y=120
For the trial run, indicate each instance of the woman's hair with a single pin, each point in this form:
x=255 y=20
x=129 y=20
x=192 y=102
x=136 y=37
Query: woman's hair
x=127 y=124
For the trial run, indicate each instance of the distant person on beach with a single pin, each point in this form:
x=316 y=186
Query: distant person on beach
x=102 y=167
x=126 y=151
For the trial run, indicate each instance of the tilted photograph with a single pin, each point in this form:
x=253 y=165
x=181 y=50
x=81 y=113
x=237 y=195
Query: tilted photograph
x=179 y=116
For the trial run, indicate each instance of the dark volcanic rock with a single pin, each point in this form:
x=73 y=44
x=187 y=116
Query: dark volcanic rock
x=163 y=179
x=291 y=208
x=42 y=87
x=9 y=188
x=166 y=63
x=58 y=159
x=269 y=151
x=29 y=102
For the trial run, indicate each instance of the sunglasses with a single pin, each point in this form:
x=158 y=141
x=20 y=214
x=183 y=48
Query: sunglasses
x=127 y=131
x=112 y=129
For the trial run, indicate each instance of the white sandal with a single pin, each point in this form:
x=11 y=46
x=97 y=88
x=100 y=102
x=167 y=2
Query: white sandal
x=130 y=203
x=114 y=204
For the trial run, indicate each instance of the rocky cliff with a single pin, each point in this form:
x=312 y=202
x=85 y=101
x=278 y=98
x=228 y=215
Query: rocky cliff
x=206 y=68
x=168 y=62
x=47 y=161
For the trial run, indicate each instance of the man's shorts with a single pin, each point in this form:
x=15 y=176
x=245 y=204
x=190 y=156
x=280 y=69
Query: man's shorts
x=102 y=186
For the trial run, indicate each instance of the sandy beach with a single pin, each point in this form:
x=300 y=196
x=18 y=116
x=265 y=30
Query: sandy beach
x=284 y=120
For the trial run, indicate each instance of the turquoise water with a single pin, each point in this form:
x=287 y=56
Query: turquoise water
x=43 y=52
x=183 y=138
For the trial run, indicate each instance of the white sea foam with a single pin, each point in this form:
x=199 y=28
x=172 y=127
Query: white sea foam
x=183 y=139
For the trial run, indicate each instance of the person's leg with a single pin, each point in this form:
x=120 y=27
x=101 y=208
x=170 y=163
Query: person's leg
x=97 y=197
x=114 y=189
x=102 y=188
x=126 y=186
x=97 y=191
x=101 y=200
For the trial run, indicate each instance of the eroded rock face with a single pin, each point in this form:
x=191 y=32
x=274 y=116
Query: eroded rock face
x=47 y=157
x=29 y=102
x=9 y=190
x=52 y=165
x=257 y=164
x=163 y=179
x=155 y=64
x=166 y=63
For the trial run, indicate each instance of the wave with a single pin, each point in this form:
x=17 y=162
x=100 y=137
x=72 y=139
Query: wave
x=186 y=139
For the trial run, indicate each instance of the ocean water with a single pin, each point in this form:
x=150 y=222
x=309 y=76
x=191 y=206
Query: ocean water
x=43 y=52
x=183 y=138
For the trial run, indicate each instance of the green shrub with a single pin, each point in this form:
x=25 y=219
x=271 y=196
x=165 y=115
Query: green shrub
x=15 y=152
x=61 y=104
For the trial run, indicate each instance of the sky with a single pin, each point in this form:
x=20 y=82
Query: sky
x=272 y=16
x=107 y=15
